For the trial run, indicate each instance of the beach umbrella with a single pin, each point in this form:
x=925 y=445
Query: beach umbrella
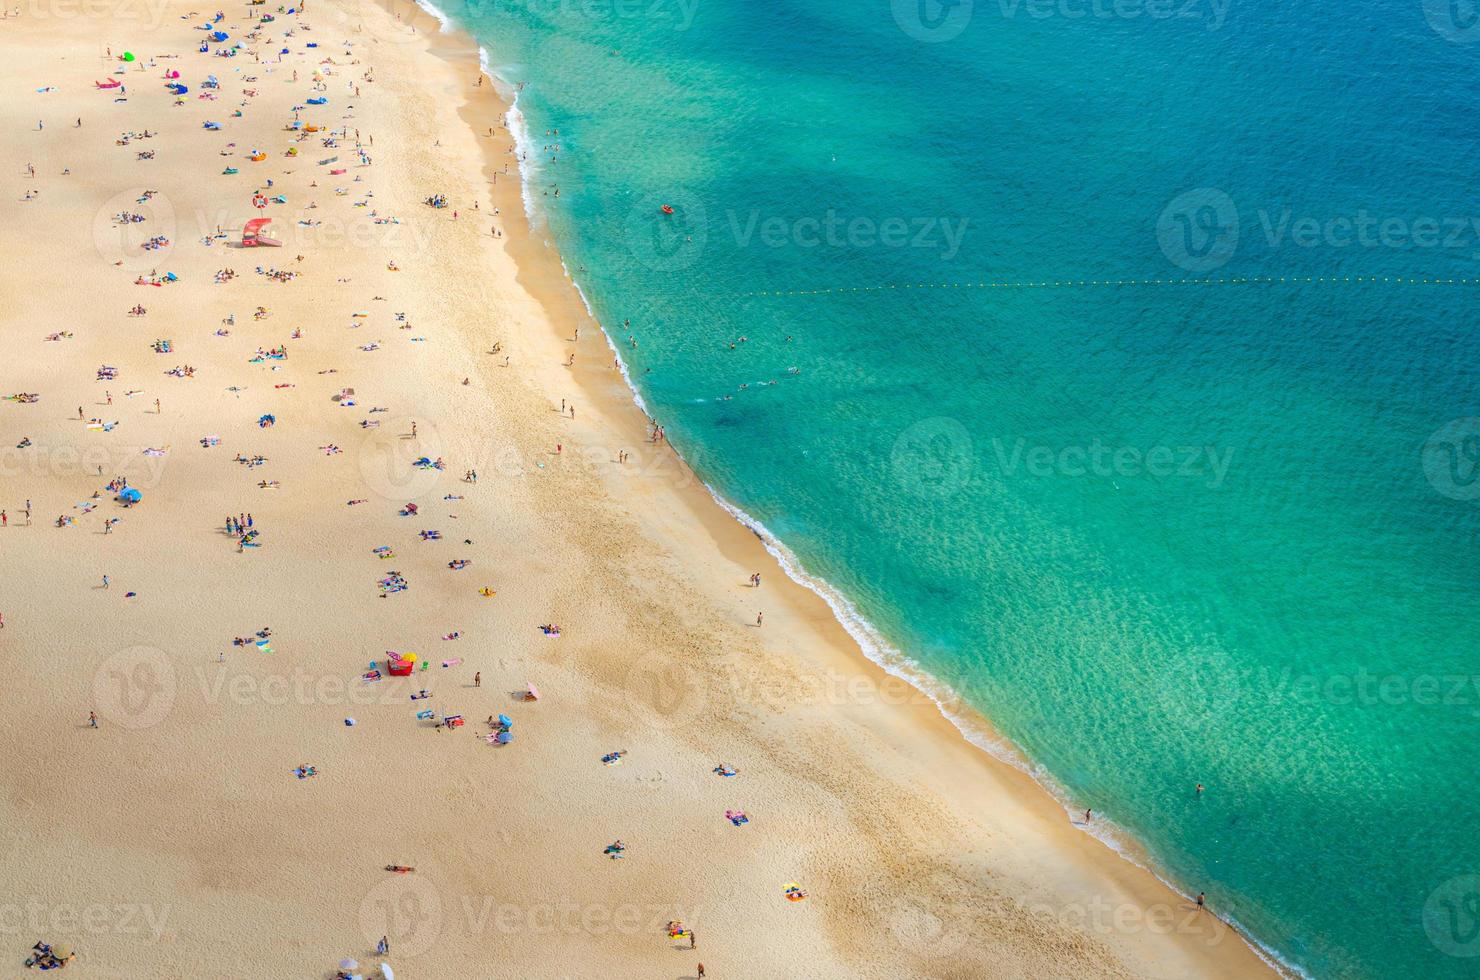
x=505 y=720
x=387 y=972
x=131 y=495
x=348 y=963
x=128 y=56
x=534 y=693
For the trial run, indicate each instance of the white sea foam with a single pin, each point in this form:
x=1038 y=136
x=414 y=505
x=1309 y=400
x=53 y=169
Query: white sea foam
x=870 y=641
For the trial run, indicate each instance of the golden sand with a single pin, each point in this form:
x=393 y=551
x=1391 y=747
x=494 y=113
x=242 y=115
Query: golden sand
x=175 y=840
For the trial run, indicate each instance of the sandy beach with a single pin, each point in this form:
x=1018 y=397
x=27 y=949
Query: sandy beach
x=397 y=347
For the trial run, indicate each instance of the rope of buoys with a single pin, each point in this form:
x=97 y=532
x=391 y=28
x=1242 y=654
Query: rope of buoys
x=1090 y=283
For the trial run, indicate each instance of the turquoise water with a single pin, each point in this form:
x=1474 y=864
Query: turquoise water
x=1160 y=533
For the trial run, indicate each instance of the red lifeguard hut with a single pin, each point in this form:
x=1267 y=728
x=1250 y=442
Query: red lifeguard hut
x=252 y=236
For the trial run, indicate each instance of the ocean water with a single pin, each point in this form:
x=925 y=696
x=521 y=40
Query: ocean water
x=1113 y=361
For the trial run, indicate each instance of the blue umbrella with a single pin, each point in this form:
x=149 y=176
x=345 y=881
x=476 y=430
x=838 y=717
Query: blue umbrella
x=505 y=720
x=130 y=495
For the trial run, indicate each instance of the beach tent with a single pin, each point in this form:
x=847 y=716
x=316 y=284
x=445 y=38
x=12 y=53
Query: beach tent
x=219 y=36
x=128 y=56
x=252 y=237
x=130 y=495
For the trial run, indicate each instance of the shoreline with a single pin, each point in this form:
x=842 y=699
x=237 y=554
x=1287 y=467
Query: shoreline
x=924 y=854
x=532 y=246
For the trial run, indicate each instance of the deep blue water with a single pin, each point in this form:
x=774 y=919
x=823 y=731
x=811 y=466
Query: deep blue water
x=1214 y=524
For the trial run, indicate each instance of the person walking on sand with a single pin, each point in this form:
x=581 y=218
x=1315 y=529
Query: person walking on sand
x=4 y=519
x=92 y=719
x=105 y=581
x=760 y=617
x=701 y=971
x=1202 y=901
x=156 y=406
x=477 y=678
x=693 y=939
x=384 y=946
